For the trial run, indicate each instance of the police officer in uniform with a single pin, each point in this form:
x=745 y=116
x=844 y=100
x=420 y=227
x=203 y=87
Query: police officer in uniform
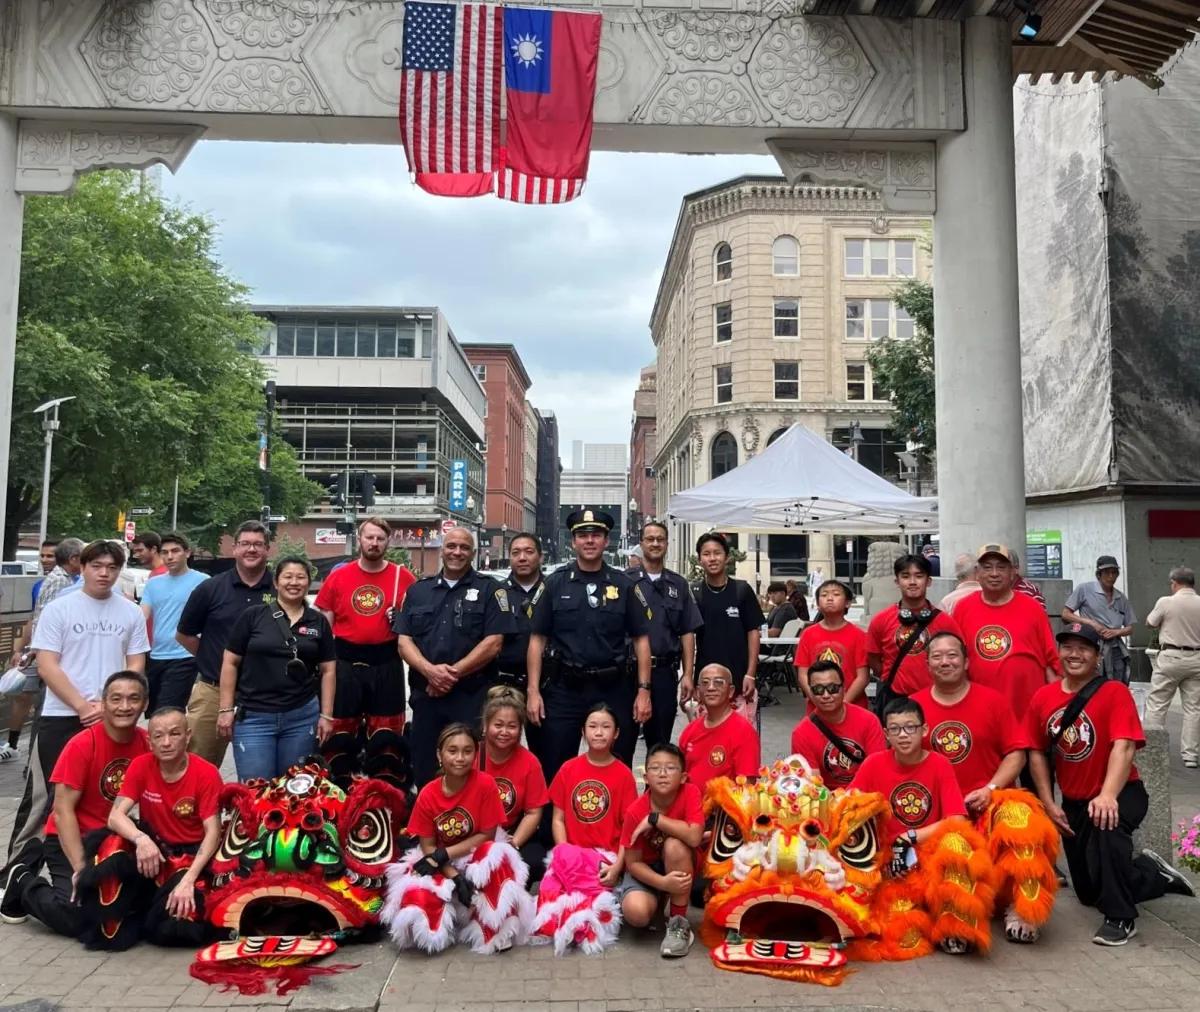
x=525 y=587
x=674 y=619
x=451 y=628
x=587 y=617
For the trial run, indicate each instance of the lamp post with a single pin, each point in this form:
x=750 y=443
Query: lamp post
x=633 y=529
x=49 y=413
x=504 y=544
x=470 y=504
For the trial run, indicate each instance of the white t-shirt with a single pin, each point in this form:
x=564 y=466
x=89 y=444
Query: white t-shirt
x=92 y=638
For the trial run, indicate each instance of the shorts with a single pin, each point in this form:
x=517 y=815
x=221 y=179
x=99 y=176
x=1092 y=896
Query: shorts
x=629 y=884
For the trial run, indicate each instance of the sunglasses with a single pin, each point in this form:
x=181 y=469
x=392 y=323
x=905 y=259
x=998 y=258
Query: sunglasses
x=825 y=690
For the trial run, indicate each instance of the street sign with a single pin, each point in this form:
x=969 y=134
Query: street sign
x=142 y=511
x=329 y=536
x=277 y=518
x=130 y=531
x=448 y=526
x=458 y=485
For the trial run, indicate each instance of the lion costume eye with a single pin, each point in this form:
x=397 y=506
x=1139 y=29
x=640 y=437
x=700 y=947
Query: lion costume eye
x=726 y=838
x=860 y=847
x=370 y=840
x=234 y=841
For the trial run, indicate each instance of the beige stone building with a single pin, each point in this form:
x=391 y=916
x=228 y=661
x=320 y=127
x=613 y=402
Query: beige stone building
x=769 y=300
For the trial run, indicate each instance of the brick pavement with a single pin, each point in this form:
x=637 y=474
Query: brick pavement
x=1160 y=969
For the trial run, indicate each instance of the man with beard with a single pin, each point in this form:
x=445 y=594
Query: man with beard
x=834 y=738
x=525 y=588
x=674 y=619
x=1089 y=726
x=451 y=629
x=359 y=601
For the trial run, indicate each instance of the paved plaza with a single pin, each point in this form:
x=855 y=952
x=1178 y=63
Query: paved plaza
x=1159 y=969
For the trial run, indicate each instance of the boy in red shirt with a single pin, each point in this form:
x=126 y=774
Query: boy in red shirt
x=913 y=618
x=722 y=743
x=661 y=832
x=835 y=639
x=856 y=730
x=1103 y=798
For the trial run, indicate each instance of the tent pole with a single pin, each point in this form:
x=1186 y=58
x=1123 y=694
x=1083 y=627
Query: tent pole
x=757 y=564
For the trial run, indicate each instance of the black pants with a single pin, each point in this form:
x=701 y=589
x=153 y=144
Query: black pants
x=369 y=690
x=533 y=853
x=1104 y=871
x=50 y=737
x=432 y=713
x=50 y=902
x=567 y=704
x=664 y=691
x=170 y=681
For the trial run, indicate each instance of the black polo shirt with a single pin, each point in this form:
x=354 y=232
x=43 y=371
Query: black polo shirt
x=265 y=683
x=446 y=623
x=673 y=611
x=211 y=611
x=590 y=617
x=516 y=647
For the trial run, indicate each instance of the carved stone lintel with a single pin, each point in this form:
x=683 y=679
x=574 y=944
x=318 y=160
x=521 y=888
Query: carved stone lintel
x=902 y=173
x=52 y=154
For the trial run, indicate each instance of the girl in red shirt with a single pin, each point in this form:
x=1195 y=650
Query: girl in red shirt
x=835 y=639
x=517 y=773
x=460 y=883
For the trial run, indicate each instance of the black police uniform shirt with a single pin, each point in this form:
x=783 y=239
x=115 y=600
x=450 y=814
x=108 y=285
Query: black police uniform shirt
x=673 y=611
x=213 y=609
x=516 y=647
x=266 y=684
x=589 y=617
x=729 y=614
x=446 y=623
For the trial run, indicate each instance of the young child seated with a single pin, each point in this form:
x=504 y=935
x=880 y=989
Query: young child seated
x=661 y=832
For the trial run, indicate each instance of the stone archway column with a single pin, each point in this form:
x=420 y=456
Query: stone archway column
x=12 y=213
x=980 y=441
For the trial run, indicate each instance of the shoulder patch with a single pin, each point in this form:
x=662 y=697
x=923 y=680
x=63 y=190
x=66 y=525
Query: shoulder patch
x=502 y=599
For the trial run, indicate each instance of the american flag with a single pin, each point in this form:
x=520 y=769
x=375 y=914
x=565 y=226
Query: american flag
x=524 y=189
x=451 y=94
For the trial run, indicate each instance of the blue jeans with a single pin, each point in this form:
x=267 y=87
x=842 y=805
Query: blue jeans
x=266 y=744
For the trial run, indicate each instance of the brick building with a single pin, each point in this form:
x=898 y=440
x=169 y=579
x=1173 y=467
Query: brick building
x=642 y=447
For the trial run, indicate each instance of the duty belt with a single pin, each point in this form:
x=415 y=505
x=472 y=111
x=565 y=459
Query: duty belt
x=575 y=676
x=666 y=661
x=1172 y=646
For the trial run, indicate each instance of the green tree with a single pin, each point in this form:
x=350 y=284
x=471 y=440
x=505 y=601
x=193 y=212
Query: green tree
x=286 y=545
x=904 y=368
x=124 y=305
x=400 y=556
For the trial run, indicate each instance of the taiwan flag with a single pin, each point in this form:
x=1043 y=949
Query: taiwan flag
x=550 y=59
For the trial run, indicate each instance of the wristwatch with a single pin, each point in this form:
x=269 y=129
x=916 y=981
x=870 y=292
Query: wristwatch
x=652 y=818
x=644 y=685
x=992 y=787
x=912 y=837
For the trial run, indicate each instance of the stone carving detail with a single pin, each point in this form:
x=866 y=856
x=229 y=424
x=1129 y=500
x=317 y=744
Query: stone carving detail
x=373 y=57
x=750 y=435
x=811 y=71
x=697 y=439
x=264 y=23
x=52 y=154
x=705 y=35
x=264 y=86
x=902 y=173
x=703 y=100
x=879 y=224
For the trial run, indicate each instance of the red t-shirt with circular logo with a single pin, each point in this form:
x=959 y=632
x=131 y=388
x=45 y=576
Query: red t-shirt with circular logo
x=731 y=749
x=359 y=601
x=887 y=634
x=521 y=783
x=1081 y=755
x=859 y=727
x=173 y=813
x=687 y=807
x=920 y=795
x=594 y=800
x=975 y=734
x=450 y=819
x=95 y=765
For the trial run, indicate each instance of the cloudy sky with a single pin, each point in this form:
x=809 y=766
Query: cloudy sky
x=571 y=287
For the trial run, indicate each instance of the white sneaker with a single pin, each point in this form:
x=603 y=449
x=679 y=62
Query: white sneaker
x=7 y=753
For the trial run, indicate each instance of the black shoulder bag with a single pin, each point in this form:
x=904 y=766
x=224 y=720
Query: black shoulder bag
x=855 y=752
x=1071 y=714
x=906 y=648
x=296 y=668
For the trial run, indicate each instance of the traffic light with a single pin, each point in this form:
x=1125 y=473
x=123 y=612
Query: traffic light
x=337 y=490
x=366 y=489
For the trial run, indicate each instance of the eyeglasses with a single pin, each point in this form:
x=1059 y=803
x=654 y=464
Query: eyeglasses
x=713 y=683
x=904 y=730
x=592 y=599
x=825 y=690
x=664 y=769
x=260 y=545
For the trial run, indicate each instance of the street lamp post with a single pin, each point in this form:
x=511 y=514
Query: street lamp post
x=470 y=505
x=504 y=543
x=49 y=413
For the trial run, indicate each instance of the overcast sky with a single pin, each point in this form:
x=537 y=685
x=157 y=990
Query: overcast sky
x=571 y=287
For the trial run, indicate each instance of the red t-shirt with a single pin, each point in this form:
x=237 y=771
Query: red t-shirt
x=846 y=646
x=95 y=765
x=1009 y=646
x=1081 y=755
x=887 y=634
x=173 y=813
x=687 y=807
x=360 y=601
x=731 y=749
x=860 y=727
x=521 y=783
x=920 y=795
x=975 y=734
x=450 y=819
x=594 y=800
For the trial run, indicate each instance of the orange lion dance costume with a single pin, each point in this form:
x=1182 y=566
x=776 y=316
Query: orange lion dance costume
x=799 y=886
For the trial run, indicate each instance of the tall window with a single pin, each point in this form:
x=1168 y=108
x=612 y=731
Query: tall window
x=723 y=321
x=723 y=455
x=876 y=319
x=723 y=263
x=480 y=372
x=785 y=257
x=724 y=380
x=775 y=435
x=880 y=258
x=860 y=383
x=787 y=317
x=787 y=381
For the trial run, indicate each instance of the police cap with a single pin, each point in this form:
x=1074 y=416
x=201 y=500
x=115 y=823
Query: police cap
x=583 y=521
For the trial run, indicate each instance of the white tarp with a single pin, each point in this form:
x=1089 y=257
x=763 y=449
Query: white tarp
x=801 y=484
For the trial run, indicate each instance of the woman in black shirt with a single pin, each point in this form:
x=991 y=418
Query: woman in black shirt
x=277 y=657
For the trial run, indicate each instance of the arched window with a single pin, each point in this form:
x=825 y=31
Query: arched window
x=785 y=256
x=775 y=435
x=723 y=455
x=722 y=262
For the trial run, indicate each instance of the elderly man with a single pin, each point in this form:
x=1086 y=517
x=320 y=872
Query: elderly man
x=966 y=572
x=1100 y=605
x=1177 y=619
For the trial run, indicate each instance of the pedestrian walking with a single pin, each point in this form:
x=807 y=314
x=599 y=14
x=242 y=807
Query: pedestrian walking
x=1177 y=619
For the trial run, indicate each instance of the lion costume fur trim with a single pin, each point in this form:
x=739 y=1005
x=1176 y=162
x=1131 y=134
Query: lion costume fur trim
x=1024 y=845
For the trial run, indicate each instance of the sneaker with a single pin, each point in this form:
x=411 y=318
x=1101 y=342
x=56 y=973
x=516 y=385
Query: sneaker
x=11 y=910
x=7 y=753
x=1061 y=876
x=1115 y=932
x=679 y=938
x=954 y=946
x=1177 y=882
x=1191 y=764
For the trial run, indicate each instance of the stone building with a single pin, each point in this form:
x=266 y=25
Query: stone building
x=642 y=447
x=769 y=299
x=529 y=488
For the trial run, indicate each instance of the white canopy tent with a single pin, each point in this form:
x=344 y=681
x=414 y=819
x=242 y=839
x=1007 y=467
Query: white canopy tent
x=801 y=484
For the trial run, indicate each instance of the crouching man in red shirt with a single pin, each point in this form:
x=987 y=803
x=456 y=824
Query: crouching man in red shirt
x=1103 y=799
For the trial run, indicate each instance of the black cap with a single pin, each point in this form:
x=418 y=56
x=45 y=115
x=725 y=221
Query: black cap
x=582 y=521
x=1107 y=562
x=1079 y=631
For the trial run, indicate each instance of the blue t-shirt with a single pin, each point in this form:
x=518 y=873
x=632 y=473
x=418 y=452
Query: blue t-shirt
x=37 y=589
x=165 y=596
